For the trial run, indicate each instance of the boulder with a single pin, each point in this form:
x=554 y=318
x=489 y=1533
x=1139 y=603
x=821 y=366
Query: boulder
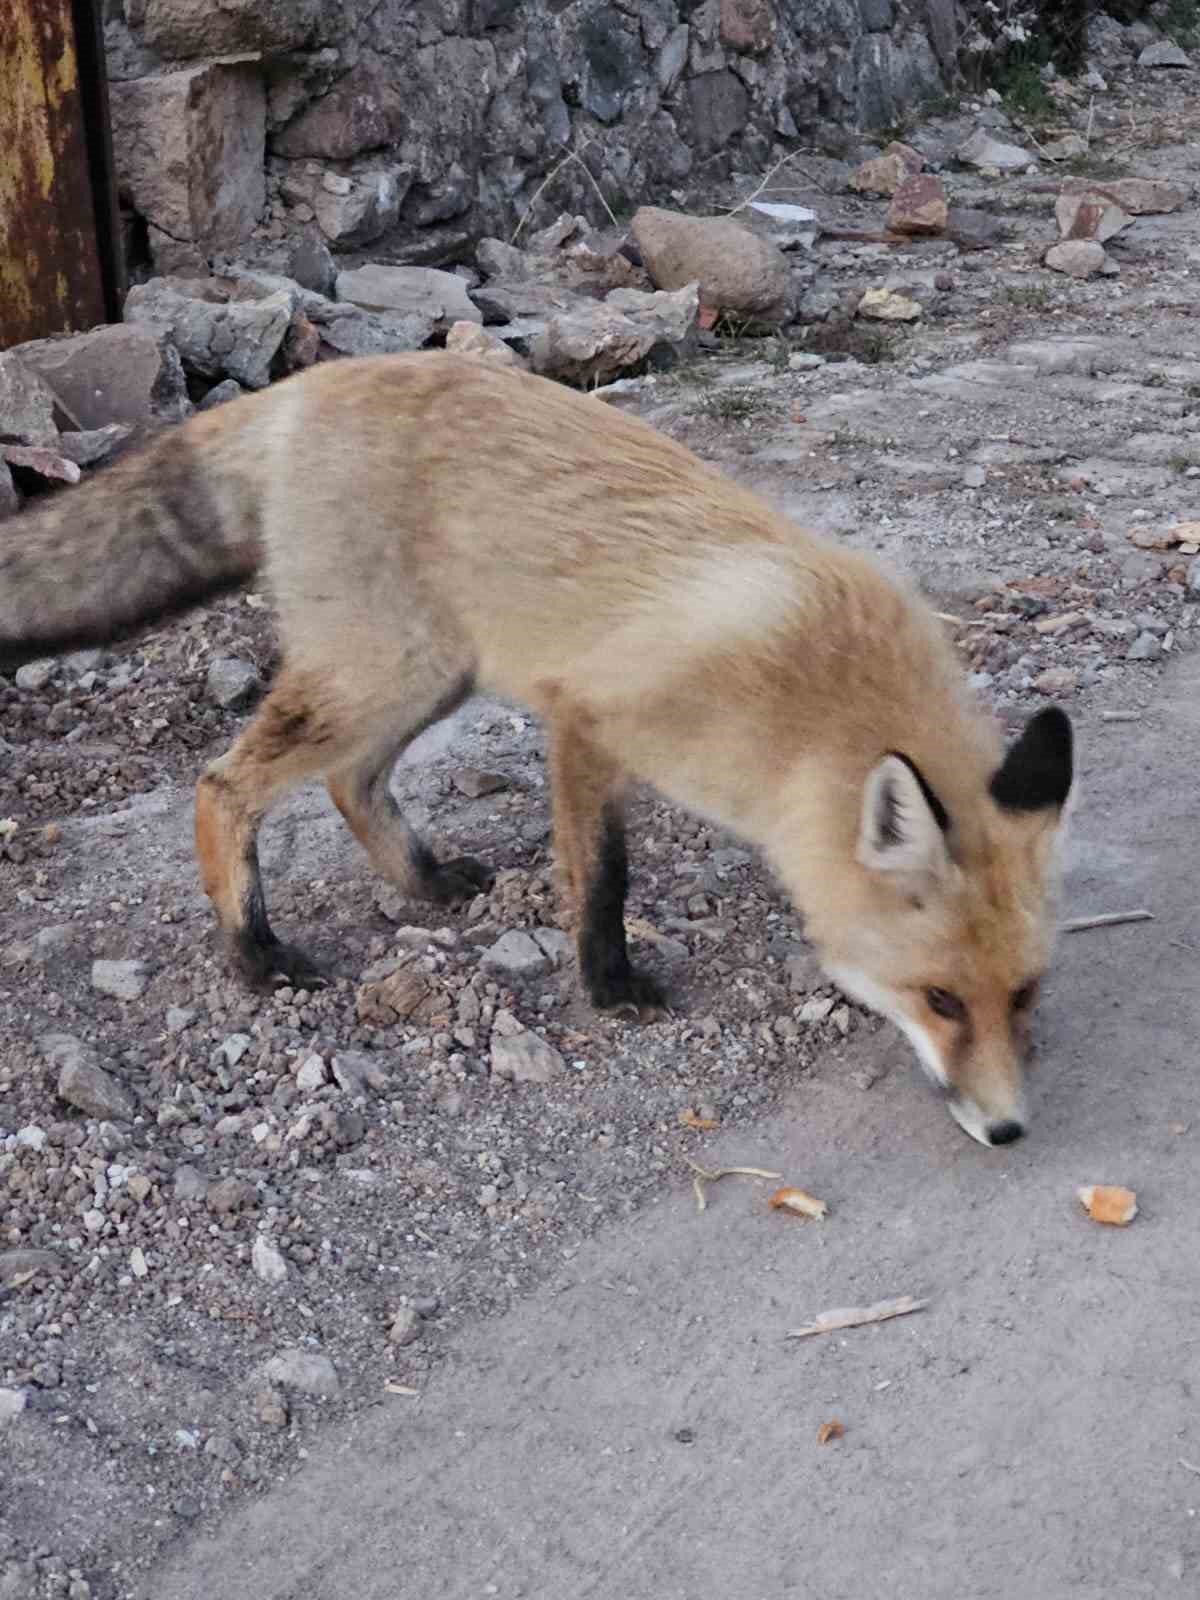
x=982 y=150
x=216 y=337
x=884 y=174
x=1077 y=258
x=404 y=291
x=919 y=205
x=190 y=149
x=1164 y=53
x=596 y=343
x=736 y=270
x=361 y=112
x=350 y=208
x=180 y=30
x=469 y=339
x=116 y=374
x=1089 y=216
x=26 y=401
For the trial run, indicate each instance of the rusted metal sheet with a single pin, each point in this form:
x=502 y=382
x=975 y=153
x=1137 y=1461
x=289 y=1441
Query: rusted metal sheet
x=59 y=262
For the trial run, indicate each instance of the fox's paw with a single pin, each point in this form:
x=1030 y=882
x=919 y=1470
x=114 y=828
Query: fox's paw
x=460 y=879
x=630 y=994
x=269 y=966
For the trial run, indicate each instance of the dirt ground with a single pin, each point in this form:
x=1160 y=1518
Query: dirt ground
x=317 y=1305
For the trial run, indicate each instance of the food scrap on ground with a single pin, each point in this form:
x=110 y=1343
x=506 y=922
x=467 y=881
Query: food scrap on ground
x=799 y=1203
x=829 y=1431
x=1108 y=1203
x=858 y=1316
x=693 y=1119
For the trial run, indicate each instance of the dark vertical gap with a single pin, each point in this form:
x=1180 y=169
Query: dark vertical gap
x=97 y=132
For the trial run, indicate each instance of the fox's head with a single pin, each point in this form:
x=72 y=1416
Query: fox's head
x=947 y=922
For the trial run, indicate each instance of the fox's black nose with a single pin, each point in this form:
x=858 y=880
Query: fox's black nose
x=1005 y=1132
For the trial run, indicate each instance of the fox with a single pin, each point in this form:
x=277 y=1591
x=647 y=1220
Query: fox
x=427 y=527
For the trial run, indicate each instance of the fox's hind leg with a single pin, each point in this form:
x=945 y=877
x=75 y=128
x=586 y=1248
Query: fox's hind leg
x=300 y=731
x=361 y=791
x=590 y=838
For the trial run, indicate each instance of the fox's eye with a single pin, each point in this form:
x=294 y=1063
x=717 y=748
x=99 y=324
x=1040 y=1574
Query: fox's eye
x=945 y=1004
x=1024 y=997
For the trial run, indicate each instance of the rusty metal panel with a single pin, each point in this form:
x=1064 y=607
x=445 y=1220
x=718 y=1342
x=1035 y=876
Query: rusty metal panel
x=58 y=271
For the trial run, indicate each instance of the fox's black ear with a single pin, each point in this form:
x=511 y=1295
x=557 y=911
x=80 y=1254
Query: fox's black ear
x=1036 y=773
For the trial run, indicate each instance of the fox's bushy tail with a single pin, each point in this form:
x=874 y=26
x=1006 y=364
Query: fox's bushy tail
x=163 y=529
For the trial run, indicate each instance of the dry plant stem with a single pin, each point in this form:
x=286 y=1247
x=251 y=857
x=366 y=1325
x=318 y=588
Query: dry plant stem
x=771 y=171
x=1111 y=919
x=858 y=1316
x=571 y=155
x=706 y=1175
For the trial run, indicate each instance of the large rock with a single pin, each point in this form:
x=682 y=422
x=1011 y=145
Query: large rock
x=403 y=291
x=982 y=150
x=117 y=374
x=1089 y=216
x=1140 y=197
x=26 y=402
x=350 y=208
x=597 y=343
x=190 y=150
x=469 y=339
x=361 y=112
x=183 y=29
x=216 y=337
x=1077 y=258
x=350 y=331
x=919 y=205
x=1164 y=53
x=884 y=174
x=736 y=270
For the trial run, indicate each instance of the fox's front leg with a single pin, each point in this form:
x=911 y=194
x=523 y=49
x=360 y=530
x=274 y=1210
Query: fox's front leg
x=590 y=840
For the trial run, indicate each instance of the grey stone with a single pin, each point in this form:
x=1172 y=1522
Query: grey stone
x=362 y=111
x=311 y=1074
x=720 y=108
x=228 y=1195
x=10 y=497
x=1164 y=53
x=122 y=980
x=305 y=1370
x=558 y=945
x=1146 y=647
x=180 y=30
x=405 y=291
x=1077 y=258
x=982 y=150
x=26 y=402
x=231 y=682
x=190 y=1184
x=516 y=955
x=89 y=1088
x=596 y=343
x=736 y=270
x=877 y=15
x=12 y=1403
x=525 y=1057
x=974 y=477
x=1193 y=577
x=35 y=675
x=365 y=333
x=355 y=1072
x=266 y=1261
x=406 y=1327
x=88 y=448
x=119 y=374
x=190 y=150
x=220 y=394
x=311 y=263
x=216 y=337
x=180 y=1017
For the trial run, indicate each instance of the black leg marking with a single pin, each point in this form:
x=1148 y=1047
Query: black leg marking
x=609 y=978
x=445 y=882
x=263 y=960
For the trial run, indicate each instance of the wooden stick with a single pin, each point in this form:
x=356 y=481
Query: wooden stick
x=1110 y=919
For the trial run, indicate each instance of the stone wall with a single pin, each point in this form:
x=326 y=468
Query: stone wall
x=416 y=126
